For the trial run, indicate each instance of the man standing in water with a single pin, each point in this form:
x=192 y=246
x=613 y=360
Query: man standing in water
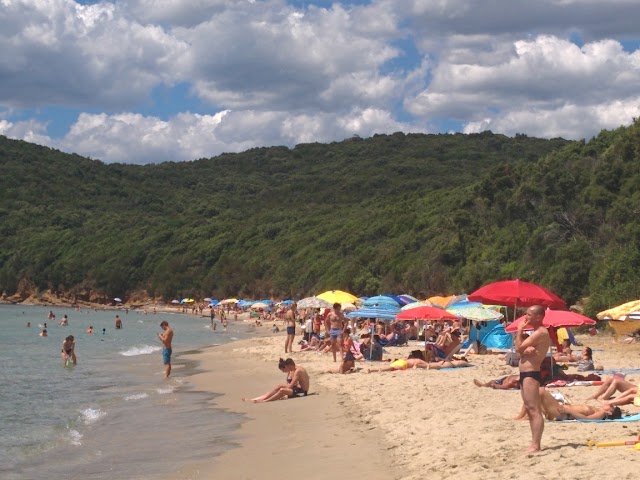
x=532 y=351
x=166 y=338
x=290 y=319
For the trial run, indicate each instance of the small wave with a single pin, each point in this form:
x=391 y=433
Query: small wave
x=75 y=437
x=164 y=391
x=136 y=396
x=141 y=350
x=92 y=415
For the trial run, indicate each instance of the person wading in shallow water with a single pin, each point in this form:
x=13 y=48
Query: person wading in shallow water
x=166 y=338
x=532 y=351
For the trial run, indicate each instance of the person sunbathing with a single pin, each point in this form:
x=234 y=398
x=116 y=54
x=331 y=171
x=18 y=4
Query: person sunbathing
x=565 y=355
x=505 y=383
x=414 y=360
x=612 y=385
x=554 y=410
x=297 y=384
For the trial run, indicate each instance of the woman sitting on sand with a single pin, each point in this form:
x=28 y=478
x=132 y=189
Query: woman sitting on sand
x=586 y=362
x=297 y=384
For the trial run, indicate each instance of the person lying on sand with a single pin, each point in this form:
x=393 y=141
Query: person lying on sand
x=554 y=410
x=416 y=359
x=613 y=385
x=565 y=354
x=297 y=384
x=505 y=383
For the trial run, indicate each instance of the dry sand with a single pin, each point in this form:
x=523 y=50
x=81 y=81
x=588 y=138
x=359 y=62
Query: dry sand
x=404 y=425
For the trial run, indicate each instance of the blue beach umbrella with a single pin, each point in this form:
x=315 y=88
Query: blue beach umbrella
x=381 y=313
x=379 y=300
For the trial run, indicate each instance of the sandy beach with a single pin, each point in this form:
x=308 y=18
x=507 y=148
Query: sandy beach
x=404 y=425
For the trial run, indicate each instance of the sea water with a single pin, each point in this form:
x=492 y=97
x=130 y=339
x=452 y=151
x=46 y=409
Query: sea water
x=113 y=415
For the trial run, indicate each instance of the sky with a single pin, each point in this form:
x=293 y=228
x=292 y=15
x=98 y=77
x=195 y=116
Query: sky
x=148 y=81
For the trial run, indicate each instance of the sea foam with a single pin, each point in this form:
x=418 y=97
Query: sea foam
x=75 y=437
x=136 y=396
x=141 y=350
x=92 y=415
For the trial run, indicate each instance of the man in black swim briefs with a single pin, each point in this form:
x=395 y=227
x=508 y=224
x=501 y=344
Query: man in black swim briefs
x=532 y=351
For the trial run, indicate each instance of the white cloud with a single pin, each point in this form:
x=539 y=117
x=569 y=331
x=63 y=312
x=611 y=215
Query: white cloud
x=57 y=52
x=273 y=73
x=540 y=79
x=134 y=138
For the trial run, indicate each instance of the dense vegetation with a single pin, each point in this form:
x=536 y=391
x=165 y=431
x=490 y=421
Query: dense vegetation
x=421 y=214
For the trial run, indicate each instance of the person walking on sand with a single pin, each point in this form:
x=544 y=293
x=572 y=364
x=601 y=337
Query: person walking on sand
x=166 y=337
x=290 y=319
x=532 y=351
x=336 y=322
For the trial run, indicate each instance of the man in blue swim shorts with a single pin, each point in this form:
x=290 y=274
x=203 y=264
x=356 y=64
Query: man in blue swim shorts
x=336 y=322
x=166 y=337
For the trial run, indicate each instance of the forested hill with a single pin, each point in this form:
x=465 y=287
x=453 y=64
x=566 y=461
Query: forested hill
x=421 y=214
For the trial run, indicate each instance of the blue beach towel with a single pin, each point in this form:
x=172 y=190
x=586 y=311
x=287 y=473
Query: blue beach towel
x=628 y=418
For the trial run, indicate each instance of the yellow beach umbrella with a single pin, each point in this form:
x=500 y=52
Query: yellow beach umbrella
x=229 y=300
x=338 y=296
x=616 y=313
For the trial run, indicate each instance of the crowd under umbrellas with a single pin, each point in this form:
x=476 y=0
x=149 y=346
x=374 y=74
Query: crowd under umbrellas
x=487 y=304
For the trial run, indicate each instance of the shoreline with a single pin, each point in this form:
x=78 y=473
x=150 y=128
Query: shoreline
x=307 y=438
x=400 y=425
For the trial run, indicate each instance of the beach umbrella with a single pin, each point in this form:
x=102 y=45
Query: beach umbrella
x=425 y=313
x=620 y=311
x=348 y=307
x=556 y=319
x=422 y=303
x=175 y=302
x=475 y=312
x=227 y=301
x=440 y=300
x=313 y=302
x=380 y=300
x=338 y=296
x=119 y=300
x=259 y=305
x=379 y=313
x=407 y=299
x=516 y=293
x=207 y=299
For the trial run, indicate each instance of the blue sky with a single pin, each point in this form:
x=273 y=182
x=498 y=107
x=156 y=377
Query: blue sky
x=142 y=81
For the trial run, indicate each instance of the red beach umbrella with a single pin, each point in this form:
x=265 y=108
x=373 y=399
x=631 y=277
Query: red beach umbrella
x=516 y=293
x=426 y=313
x=556 y=319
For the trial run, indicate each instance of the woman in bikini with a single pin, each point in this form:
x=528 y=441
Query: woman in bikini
x=297 y=384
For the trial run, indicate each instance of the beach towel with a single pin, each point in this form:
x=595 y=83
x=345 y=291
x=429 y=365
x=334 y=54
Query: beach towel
x=628 y=418
x=577 y=383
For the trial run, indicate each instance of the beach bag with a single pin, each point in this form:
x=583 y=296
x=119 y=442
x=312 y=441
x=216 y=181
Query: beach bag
x=512 y=359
